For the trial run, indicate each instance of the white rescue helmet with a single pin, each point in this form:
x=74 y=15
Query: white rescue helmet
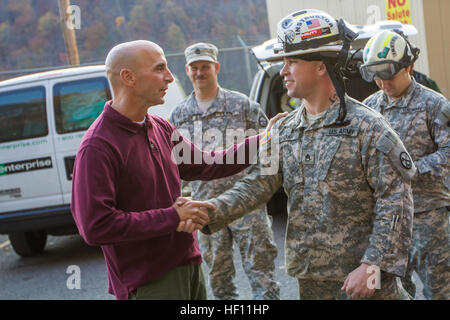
x=311 y=31
x=315 y=35
x=385 y=54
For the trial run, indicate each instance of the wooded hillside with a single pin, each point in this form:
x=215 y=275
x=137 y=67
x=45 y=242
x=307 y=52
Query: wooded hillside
x=31 y=37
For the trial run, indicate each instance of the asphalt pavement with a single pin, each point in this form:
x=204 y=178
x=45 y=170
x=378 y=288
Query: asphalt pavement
x=69 y=269
x=50 y=275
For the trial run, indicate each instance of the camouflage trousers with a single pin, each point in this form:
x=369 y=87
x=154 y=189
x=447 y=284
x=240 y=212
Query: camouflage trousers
x=253 y=236
x=429 y=256
x=390 y=289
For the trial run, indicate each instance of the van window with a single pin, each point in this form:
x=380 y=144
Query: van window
x=22 y=114
x=78 y=103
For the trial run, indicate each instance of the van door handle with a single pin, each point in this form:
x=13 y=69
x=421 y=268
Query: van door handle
x=69 y=162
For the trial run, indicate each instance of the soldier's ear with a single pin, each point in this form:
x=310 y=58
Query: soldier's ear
x=217 y=65
x=321 y=67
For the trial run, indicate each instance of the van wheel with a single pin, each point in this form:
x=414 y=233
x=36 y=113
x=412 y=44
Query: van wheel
x=27 y=244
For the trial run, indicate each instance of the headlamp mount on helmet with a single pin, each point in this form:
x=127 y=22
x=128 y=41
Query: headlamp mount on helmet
x=414 y=50
x=337 y=74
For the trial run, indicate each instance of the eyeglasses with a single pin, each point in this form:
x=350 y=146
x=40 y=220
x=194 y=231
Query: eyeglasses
x=381 y=71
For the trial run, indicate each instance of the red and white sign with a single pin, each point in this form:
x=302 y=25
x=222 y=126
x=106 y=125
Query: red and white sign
x=399 y=10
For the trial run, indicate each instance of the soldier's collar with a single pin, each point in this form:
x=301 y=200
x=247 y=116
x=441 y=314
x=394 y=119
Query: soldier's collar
x=219 y=104
x=192 y=105
x=330 y=117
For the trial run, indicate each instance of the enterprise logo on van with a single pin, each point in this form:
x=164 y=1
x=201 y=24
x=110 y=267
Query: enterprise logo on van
x=25 y=166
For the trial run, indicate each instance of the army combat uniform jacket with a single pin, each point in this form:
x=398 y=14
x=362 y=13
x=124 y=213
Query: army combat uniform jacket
x=349 y=196
x=231 y=118
x=421 y=118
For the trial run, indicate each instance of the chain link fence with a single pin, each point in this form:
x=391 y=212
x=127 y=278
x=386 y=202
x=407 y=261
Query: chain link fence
x=237 y=68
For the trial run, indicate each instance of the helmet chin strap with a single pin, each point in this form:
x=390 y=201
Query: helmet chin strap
x=339 y=86
x=335 y=65
x=335 y=69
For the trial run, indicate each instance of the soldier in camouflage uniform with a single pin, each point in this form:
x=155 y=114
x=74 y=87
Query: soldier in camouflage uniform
x=345 y=171
x=422 y=119
x=213 y=118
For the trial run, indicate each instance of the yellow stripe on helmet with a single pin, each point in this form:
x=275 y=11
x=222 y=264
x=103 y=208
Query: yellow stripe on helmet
x=387 y=40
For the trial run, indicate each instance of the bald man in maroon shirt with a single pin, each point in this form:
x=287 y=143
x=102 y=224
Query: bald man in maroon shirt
x=126 y=185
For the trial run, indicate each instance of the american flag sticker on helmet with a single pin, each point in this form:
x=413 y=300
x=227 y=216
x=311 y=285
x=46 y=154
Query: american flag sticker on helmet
x=313 y=23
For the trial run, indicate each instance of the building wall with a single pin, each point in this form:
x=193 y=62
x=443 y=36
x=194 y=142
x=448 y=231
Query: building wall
x=369 y=11
x=437 y=26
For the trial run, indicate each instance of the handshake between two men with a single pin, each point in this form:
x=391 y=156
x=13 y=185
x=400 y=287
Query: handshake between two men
x=193 y=214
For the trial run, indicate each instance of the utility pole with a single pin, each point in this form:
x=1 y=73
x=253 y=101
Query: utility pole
x=68 y=32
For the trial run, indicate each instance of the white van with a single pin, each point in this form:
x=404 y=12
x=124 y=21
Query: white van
x=42 y=120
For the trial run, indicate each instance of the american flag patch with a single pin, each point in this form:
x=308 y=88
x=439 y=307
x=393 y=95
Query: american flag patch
x=264 y=139
x=313 y=23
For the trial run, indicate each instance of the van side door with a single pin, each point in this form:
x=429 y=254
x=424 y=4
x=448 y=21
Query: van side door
x=77 y=102
x=28 y=171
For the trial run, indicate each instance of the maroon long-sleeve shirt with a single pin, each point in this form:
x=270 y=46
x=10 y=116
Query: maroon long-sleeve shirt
x=124 y=185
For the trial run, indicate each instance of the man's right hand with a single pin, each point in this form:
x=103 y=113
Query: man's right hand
x=192 y=213
x=275 y=119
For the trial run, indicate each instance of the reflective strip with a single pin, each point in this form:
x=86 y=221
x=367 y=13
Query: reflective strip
x=4 y=244
x=387 y=40
x=369 y=43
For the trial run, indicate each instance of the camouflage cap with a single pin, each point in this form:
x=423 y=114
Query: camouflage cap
x=201 y=52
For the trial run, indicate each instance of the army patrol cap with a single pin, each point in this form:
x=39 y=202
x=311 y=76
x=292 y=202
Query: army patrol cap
x=201 y=52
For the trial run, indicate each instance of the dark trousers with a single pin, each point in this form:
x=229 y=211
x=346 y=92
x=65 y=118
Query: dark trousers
x=181 y=283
